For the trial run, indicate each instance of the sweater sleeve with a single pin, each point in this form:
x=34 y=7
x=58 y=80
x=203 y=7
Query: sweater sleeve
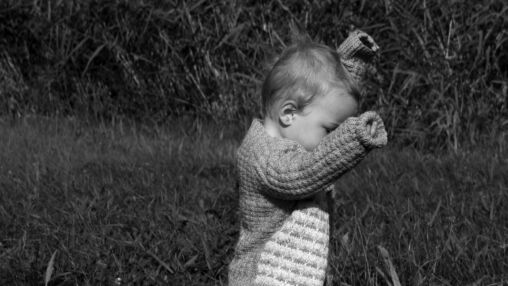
x=358 y=45
x=292 y=173
x=357 y=53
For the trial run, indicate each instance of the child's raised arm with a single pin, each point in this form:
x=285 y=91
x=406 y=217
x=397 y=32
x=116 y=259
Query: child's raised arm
x=292 y=174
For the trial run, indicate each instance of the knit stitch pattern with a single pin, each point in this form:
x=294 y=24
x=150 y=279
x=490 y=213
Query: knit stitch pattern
x=284 y=227
x=357 y=52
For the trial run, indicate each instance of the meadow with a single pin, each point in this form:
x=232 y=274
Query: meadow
x=124 y=205
x=441 y=81
x=120 y=120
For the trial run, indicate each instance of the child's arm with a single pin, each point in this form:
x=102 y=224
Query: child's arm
x=296 y=174
x=357 y=53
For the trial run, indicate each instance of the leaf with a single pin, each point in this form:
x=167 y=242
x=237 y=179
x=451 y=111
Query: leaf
x=49 y=269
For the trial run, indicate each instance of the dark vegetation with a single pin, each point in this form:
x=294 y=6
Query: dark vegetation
x=442 y=79
x=126 y=205
x=119 y=122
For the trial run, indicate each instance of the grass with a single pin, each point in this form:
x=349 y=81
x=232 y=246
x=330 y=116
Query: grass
x=442 y=76
x=127 y=204
x=116 y=203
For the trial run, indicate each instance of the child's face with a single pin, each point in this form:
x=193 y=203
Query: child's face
x=320 y=117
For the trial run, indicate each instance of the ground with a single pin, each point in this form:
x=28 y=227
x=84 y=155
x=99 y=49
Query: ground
x=123 y=204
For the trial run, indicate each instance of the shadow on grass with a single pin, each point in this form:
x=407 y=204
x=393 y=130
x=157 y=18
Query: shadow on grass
x=126 y=206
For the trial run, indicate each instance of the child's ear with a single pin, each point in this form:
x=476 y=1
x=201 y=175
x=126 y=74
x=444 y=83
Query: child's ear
x=287 y=113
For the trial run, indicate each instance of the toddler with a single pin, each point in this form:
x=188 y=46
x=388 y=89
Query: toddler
x=287 y=161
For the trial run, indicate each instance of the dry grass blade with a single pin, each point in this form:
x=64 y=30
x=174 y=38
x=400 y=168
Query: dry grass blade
x=207 y=253
x=95 y=53
x=162 y=263
x=434 y=215
x=191 y=261
x=382 y=274
x=389 y=265
x=49 y=269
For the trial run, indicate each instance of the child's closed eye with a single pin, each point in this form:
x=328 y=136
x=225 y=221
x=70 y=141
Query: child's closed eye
x=329 y=129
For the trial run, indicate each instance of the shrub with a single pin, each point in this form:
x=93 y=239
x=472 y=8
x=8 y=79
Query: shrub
x=442 y=78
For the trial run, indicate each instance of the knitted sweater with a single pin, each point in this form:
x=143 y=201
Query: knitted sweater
x=357 y=53
x=284 y=228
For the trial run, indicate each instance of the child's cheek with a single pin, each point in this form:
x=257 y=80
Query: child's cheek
x=315 y=139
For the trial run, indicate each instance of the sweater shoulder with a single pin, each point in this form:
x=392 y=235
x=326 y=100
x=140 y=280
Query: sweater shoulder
x=257 y=146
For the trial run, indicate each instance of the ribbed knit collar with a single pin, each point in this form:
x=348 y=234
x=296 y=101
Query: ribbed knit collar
x=257 y=132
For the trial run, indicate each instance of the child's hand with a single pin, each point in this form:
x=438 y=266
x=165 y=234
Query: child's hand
x=372 y=128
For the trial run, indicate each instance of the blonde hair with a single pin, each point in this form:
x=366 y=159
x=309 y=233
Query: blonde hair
x=304 y=70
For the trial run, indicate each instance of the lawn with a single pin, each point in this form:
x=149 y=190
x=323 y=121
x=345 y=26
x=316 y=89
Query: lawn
x=120 y=204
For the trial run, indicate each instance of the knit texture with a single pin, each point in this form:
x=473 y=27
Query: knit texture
x=357 y=53
x=284 y=227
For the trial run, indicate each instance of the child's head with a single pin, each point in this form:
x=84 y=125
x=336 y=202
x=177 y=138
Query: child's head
x=308 y=93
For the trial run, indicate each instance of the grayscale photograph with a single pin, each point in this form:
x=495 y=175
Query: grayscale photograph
x=254 y=143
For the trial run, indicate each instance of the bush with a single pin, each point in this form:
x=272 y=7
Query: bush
x=442 y=78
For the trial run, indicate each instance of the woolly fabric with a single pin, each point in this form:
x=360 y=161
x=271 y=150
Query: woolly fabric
x=284 y=227
x=357 y=52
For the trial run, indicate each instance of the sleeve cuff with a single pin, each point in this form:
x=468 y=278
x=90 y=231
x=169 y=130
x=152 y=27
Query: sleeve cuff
x=360 y=45
x=370 y=141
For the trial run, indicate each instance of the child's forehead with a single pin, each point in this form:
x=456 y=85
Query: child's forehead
x=332 y=97
x=334 y=105
x=338 y=88
x=334 y=87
